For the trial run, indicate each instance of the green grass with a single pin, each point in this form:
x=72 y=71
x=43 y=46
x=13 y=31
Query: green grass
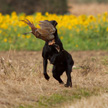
x=95 y=38
x=105 y=60
x=86 y=40
x=66 y=96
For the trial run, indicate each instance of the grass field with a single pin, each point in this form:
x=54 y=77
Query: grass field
x=83 y=32
x=22 y=84
x=100 y=101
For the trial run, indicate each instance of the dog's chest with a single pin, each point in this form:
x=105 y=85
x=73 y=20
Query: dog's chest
x=50 y=52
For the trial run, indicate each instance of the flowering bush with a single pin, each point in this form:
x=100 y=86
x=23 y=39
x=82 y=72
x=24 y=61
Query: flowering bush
x=76 y=32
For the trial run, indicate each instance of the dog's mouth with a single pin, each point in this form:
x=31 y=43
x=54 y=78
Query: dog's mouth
x=52 y=42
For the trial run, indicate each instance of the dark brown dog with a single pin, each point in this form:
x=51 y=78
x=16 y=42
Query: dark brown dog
x=62 y=61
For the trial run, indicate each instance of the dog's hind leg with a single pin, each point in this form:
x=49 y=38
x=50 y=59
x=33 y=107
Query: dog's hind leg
x=68 y=73
x=58 y=78
x=57 y=75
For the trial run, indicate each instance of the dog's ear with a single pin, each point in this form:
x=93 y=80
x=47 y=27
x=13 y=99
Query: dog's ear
x=54 y=23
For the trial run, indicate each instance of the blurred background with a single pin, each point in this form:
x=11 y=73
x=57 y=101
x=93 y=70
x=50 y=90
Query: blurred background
x=54 y=6
x=82 y=24
x=32 y=6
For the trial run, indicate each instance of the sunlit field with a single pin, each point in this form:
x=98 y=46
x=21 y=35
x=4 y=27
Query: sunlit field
x=76 y=32
x=22 y=84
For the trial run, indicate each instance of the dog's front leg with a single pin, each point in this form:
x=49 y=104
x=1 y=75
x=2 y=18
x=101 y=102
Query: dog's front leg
x=68 y=73
x=45 y=69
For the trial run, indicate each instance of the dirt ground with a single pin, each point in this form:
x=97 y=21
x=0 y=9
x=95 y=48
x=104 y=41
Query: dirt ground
x=22 y=81
x=87 y=9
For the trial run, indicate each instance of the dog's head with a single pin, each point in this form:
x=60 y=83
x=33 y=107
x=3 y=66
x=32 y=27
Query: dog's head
x=53 y=22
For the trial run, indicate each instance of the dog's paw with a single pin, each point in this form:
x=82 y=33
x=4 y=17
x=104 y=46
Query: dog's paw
x=46 y=76
x=68 y=85
x=61 y=82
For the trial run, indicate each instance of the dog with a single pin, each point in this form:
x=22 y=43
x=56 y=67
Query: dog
x=60 y=59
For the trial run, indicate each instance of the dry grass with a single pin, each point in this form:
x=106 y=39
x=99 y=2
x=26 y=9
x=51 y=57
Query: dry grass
x=22 y=81
x=92 y=102
x=87 y=9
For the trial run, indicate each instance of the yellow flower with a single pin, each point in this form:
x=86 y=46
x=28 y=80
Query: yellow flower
x=46 y=13
x=69 y=27
x=91 y=27
x=106 y=13
x=0 y=31
x=91 y=17
x=107 y=29
x=77 y=30
x=5 y=40
x=23 y=36
x=4 y=26
x=28 y=36
x=61 y=37
x=104 y=18
x=76 y=45
x=18 y=35
x=14 y=13
x=99 y=15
